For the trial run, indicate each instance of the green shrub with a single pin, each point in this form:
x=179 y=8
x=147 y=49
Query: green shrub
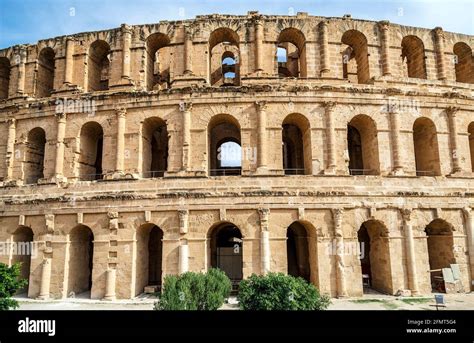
x=194 y=291
x=277 y=291
x=10 y=283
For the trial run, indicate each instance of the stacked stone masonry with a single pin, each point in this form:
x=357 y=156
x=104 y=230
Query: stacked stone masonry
x=362 y=132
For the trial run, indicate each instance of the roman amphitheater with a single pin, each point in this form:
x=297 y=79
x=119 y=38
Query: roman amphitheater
x=335 y=149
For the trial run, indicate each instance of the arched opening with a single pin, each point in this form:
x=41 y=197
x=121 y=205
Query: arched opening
x=355 y=57
x=362 y=145
x=90 y=159
x=291 y=53
x=155 y=147
x=158 y=57
x=225 y=152
x=296 y=145
x=464 y=63
x=440 y=251
x=23 y=240
x=224 y=57
x=226 y=251
x=228 y=68
x=45 y=76
x=297 y=251
x=413 y=53
x=470 y=130
x=81 y=257
x=149 y=257
x=426 y=148
x=34 y=163
x=4 y=77
x=98 y=66
x=375 y=257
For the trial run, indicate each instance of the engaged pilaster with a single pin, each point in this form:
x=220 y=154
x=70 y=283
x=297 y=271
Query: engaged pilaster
x=410 y=250
x=340 y=266
x=384 y=27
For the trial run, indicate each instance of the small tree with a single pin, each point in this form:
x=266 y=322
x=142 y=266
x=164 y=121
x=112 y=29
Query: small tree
x=277 y=291
x=10 y=283
x=194 y=291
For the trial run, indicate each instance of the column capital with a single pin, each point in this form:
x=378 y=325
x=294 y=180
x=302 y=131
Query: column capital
x=61 y=116
x=188 y=31
x=329 y=105
x=120 y=112
x=126 y=29
x=261 y=105
x=467 y=212
x=185 y=106
x=406 y=213
x=452 y=110
x=264 y=212
x=70 y=39
x=10 y=121
x=324 y=23
x=337 y=214
x=439 y=31
x=384 y=24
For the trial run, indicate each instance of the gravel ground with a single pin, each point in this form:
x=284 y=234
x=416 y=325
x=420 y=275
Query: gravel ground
x=368 y=302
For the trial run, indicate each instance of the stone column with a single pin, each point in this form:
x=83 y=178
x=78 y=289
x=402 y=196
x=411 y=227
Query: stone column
x=185 y=108
x=265 y=240
x=395 y=137
x=61 y=131
x=385 y=45
x=258 y=45
x=45 y=279
x=262 y=135
x=340 y=266
x=10 y=155
x=439 y=50
x=183 y=257
x=188 y=47
x=410 y=251
x=331 y=138
x=126 y=42
x=69 y=67
x=21 y=61
x=469 y=219
x=110 y=281
x=121 y=112
x=324 y=46
x=453 y=137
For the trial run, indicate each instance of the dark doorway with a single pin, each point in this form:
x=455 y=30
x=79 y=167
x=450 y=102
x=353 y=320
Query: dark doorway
x=298 y=252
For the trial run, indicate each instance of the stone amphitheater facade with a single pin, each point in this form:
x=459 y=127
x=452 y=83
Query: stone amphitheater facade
x=357 y=140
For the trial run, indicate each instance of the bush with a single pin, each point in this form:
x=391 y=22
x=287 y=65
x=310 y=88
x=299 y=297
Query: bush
x=277 y=291
x=194 y=291
x=10 y=283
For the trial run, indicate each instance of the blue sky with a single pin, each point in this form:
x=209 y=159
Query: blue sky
x=30 y=20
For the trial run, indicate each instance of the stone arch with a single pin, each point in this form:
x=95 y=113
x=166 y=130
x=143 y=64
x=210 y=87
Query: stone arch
x=4 y=77
x=413 y=52
x=470 y=130
x=223 y=129
x=362 y=144
x=80 y=262
x=301 y=251
x=440 y=245
x=296 y=144
x=45 y=74
x=223 y=43
x=293 y=42
x=155 y=147
x=375 y=260
x=355 y=57
x=91 y=148
x=98 y=68
x=158 y=61
x=149 y=260
x=425 y=140
x=225 y=250
x=34 y=156
x=464 y=63
x=23 y=238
